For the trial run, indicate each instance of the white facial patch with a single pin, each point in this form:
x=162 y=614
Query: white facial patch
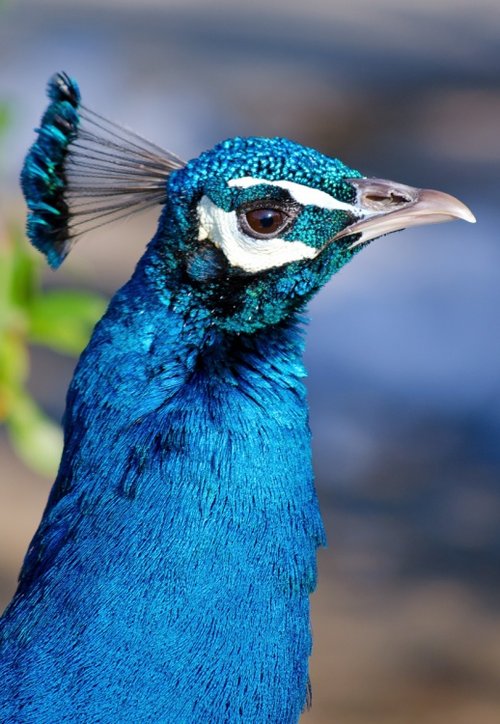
x=252 y=255
x=303 y=195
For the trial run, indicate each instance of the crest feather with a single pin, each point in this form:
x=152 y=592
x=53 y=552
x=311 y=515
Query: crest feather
x=84 y=171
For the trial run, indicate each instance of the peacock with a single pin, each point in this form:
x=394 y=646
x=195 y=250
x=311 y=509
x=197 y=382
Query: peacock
x=170 y=576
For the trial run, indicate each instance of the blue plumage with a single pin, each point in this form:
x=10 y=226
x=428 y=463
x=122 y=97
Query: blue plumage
x=169 y=579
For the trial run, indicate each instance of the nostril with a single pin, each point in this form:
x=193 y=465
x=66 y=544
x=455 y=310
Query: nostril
x=399 y=198
x=391 y=197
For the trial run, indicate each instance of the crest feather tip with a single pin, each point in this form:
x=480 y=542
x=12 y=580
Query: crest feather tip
x=63 y=88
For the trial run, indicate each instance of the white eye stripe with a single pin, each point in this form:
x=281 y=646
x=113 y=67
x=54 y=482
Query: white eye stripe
x=304 y=195
x=251 y=255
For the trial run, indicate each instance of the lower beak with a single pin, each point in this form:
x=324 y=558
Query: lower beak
x=386 y=206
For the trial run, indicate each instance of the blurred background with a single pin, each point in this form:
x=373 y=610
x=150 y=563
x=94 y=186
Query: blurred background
x=404 y=344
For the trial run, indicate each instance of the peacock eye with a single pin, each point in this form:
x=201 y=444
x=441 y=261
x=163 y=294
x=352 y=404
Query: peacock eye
x=265 y=222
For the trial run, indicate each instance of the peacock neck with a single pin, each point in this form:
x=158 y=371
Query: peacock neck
x=156 y=362
x=186 y=495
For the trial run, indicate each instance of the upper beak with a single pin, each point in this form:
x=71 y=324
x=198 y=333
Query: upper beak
x=386 y=206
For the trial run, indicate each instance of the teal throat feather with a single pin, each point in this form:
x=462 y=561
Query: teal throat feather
x=169 y=579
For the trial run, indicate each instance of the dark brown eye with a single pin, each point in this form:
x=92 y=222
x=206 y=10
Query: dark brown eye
x=265 y=222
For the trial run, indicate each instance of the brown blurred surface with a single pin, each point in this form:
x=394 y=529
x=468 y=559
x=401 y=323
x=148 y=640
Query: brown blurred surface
x=421 y=653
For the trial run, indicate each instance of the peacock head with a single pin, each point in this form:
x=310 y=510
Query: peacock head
x=250 y=230
x=264 y=223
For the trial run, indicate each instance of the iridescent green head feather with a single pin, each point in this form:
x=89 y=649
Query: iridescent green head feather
x=248 y=228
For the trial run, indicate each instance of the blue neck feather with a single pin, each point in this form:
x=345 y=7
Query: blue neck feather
x=175 y=581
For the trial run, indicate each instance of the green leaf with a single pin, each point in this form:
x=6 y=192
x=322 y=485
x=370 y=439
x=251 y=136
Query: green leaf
x=18 y=281
x=4 y=113
x=63 y=320
x=6 y=272
x=37 y=440
x=24 y=283
x=14 y=362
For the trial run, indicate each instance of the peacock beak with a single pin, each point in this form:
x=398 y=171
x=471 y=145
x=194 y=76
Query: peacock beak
x=386 y=206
